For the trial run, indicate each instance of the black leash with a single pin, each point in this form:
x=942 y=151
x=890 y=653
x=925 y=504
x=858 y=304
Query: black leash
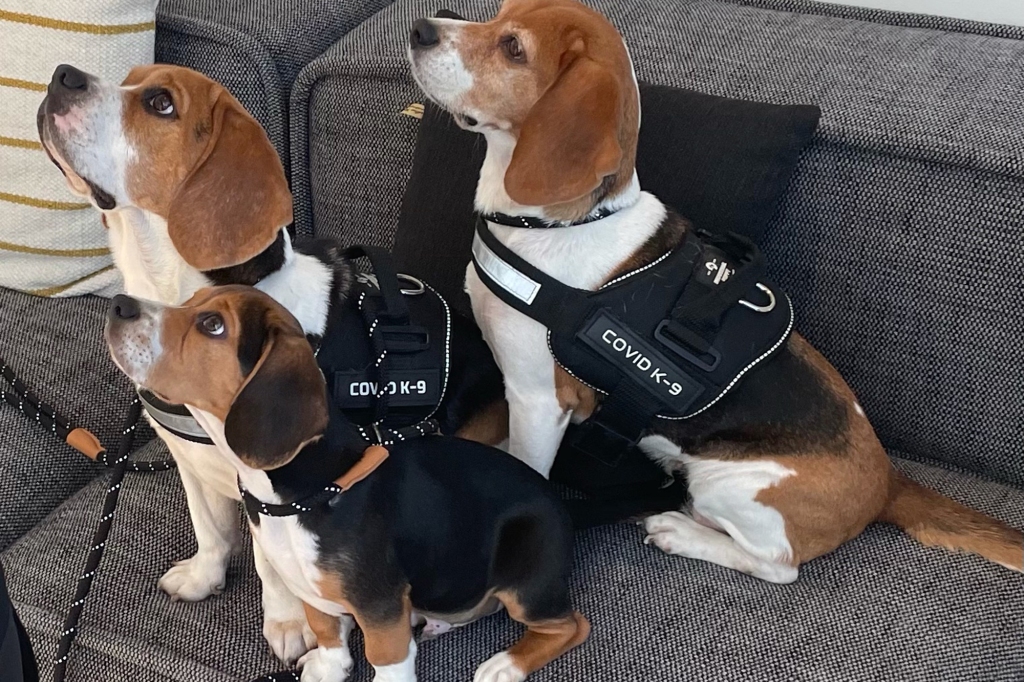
x=28 y=403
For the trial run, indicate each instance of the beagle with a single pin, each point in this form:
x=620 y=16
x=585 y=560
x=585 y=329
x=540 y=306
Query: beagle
x=440 y=525
x=785 y=467
x=193 y=194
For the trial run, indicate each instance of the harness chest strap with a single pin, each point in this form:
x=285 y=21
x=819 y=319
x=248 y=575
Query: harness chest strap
x=372 y=458
x=666 y=340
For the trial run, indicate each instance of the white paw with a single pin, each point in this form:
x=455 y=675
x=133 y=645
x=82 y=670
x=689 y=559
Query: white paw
x=670 y=531
x=288 y=639
x=499 y=668
x=326 y=665
x=194 y=579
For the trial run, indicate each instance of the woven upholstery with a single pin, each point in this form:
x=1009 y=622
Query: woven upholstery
x=881 y=608
x=899 y=239
x=256 y=48
x=56 y=347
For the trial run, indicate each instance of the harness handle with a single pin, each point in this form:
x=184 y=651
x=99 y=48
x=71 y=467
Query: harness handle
x=395 y=307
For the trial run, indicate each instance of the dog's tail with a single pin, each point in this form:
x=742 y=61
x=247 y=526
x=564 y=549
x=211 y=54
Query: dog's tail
x=935 y=520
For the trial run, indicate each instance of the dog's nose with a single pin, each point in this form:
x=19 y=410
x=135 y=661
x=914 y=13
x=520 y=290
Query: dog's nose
x=423 y=34
x=67 y=77
x=123 y=308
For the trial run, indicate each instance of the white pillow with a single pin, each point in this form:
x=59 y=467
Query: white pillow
x=52 y=243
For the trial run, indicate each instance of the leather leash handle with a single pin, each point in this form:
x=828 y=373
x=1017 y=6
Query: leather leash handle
x=29 y=404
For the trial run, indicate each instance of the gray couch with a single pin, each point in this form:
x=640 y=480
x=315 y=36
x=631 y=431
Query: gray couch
x=900 y=241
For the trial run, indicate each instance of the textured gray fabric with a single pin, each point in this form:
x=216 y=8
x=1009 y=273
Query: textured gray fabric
x=880 y=608
x=881 y=16
x=56 y=347
x=899 y=239
x=255 y=48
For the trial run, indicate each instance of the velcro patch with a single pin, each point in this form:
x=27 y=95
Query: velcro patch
x=636 y=357
x=405 y=388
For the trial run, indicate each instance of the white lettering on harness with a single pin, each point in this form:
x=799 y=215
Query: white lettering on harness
x=642 y=362
x=367 y=388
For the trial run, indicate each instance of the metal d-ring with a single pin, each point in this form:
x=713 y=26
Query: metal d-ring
x=761 y=308
x=420 y=286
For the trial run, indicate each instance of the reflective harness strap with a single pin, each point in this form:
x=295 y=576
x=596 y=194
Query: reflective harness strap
x=174 y=418
x=373 y=457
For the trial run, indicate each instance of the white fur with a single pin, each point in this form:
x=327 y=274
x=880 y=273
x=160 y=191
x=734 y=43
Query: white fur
x=499 y=668
x=295 y=285
x=398 y=672
x=326 y=664
x=582 y=256
x=90 y=142
x=729 y=526
x=439 y=71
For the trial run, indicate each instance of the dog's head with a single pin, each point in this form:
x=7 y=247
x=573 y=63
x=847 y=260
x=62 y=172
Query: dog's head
x=176 y=144
x=234 y=353
x=553 y=74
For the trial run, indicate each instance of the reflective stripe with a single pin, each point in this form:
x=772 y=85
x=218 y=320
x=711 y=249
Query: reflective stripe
x=510 y=279
x=181 y=425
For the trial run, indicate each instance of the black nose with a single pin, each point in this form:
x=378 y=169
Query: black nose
x=67 y=77
x=123 y=308
x=423 y=34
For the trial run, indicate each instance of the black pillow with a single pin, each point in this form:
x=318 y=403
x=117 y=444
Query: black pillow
x=722 y=163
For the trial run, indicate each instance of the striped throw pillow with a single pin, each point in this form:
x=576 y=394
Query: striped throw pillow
x=52 y=243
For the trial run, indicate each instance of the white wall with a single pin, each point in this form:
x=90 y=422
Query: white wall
x=996 y=11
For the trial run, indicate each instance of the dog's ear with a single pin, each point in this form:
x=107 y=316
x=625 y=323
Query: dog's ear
x=569 y=142
x=236 y=198
x=281 y=406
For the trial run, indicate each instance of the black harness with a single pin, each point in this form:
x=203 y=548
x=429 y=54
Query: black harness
x=665 y=341
x=385 y=356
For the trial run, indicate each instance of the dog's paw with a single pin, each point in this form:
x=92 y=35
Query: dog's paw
x=499 y=668
x=670 y=532
x=288 y=639
x=194 y=579
x=326 y=665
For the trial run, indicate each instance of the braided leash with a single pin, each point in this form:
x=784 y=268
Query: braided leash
x=99 y=540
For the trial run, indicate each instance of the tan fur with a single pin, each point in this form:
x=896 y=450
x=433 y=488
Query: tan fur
x=938 y=521
x=572 y=103
x=488 y=426
x=573 y=396
x=210 y=170
x=326 y=628
x=544 y=641
x=386 y=643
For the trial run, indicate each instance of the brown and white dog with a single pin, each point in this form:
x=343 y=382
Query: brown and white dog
x=786 y=467
x=193 y=195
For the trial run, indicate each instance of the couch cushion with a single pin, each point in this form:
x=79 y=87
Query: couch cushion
x=56 y=347
x=256 y=48
x=899 y=238
x=881 y=607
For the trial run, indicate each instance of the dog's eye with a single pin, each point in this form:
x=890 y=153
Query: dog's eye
x=513 y=48
x=160 y=102
x=211 y=324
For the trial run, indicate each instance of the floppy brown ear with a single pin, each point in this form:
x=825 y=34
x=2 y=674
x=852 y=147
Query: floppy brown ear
x=570 y=140
x=235 y=200
x=282 y=405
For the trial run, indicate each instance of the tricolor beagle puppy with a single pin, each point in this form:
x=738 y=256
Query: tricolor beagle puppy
x=193 y=194
x=436 y=525
x=785 y=467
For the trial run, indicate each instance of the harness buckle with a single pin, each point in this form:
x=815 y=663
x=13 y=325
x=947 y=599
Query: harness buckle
x=673 y=335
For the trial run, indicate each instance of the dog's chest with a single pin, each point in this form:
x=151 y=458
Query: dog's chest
x=582 y=256
x=294 y=551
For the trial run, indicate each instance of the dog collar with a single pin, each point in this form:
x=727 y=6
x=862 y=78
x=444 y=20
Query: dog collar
x=372 y=458
x=540 y=223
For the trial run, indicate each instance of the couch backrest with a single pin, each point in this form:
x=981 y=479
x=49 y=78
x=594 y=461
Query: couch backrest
x=900 y=239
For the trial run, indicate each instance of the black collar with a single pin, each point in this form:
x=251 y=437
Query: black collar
x=541 y=223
